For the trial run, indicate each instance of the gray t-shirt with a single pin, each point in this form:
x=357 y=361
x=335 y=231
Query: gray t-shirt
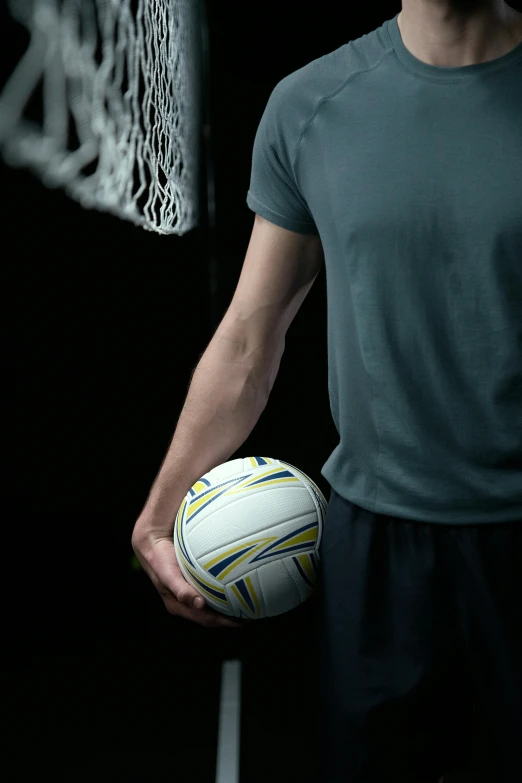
x=411 y=174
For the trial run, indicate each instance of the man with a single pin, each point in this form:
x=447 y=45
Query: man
x=422 y=617
x=396 y=163
x=453 y=34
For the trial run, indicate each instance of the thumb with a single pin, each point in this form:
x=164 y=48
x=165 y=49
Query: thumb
x=168 y=571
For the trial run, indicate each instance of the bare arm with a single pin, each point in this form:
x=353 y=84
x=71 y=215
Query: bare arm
x=229 y=390
x=233 y=380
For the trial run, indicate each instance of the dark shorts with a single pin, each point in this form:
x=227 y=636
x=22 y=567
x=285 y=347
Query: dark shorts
x=421 y=649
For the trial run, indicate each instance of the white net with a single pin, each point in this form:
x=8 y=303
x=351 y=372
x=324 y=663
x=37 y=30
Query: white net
x=114 y=85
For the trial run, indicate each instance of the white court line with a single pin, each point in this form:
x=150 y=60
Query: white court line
x=227 y=770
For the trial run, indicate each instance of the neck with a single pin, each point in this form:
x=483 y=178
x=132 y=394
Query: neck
x=452 y=33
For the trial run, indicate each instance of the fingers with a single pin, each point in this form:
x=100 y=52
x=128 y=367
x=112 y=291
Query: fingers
x=206 y=617
x=188 y=596
x=178 y=599
x=164 y=566
x=159 y=561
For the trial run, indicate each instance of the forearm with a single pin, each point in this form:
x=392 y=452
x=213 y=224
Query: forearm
x=229 y=390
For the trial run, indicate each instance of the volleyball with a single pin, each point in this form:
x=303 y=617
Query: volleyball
x=247 y=537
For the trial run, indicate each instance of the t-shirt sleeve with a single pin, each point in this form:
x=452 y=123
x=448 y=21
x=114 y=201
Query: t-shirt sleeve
x=274 y=193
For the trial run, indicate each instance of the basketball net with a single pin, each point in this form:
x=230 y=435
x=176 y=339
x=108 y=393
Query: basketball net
x=118 y=88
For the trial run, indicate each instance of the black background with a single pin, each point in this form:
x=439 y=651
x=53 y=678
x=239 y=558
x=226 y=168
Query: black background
x=101 y=336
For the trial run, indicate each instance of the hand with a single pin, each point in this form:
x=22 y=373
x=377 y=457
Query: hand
x=154 y=548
